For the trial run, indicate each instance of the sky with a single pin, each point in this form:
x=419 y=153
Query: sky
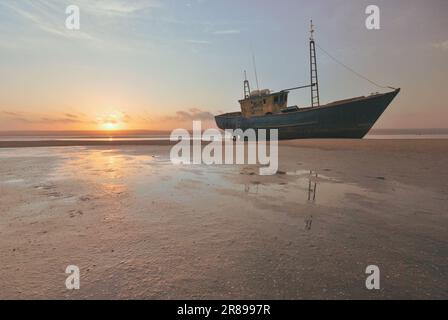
x=159 y=65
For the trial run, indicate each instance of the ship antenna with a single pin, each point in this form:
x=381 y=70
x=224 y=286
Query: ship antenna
x=312 y=31
x=255 y=70
x=313 y=70
x=246 y=86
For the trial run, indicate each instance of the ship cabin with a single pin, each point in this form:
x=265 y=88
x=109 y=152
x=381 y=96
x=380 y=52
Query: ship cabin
x=263 y=102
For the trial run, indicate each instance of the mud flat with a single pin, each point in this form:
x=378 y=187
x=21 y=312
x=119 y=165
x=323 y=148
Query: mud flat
x=139 y=227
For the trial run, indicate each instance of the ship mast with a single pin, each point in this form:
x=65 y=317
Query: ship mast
x=313 y=70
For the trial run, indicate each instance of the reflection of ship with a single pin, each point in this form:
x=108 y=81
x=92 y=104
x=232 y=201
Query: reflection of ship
x=349 y=118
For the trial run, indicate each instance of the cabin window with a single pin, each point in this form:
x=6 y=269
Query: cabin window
x=264 y=101
x=276 y=99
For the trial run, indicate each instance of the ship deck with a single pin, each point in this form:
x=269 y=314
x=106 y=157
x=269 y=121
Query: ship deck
x=303 y=109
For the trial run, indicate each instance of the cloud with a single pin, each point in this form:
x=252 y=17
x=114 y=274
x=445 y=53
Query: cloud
x=230 y=31
x=443 y=45
x=36 y=119
x=49 y=15
x=15 y=116
x=198 y=42
x=191 y=115
x=116 y=7
x=61 y=120
x=114 y=118
x=126 y=118
x=9 y=113
x=46 y=17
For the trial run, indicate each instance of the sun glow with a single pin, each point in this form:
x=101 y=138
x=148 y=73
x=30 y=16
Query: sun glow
x=109 y=126
x=112 y=121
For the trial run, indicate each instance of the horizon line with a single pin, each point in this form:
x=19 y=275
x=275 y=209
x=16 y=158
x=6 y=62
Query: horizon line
x=148 y=131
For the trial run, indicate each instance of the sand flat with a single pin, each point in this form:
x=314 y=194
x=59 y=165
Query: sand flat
x=140 y=227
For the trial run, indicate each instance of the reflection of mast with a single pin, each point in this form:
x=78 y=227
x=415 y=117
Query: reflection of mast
x=312 y=188
x=313 y=70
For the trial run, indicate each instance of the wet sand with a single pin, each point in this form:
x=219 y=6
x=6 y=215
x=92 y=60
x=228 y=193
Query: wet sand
x=139 y=227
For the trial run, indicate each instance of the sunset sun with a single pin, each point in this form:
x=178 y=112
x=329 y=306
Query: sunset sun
x=111 y=121
x=109 y=126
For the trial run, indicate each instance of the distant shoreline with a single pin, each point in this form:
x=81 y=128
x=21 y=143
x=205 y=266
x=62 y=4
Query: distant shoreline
x=81 y=143
x=160 y=133
x=157 y=142
x=82 y=133
x=26 y=139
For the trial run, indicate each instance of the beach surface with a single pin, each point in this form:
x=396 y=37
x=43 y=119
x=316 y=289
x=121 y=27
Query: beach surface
x=138 y=226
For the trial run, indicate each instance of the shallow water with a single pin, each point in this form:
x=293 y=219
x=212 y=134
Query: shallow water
x=145 y=175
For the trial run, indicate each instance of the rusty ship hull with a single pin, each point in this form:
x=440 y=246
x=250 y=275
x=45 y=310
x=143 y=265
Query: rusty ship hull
x=350 y=119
